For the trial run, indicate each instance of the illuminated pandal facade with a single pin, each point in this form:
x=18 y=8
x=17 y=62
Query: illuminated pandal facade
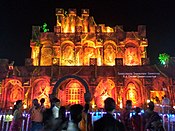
x=83 y=62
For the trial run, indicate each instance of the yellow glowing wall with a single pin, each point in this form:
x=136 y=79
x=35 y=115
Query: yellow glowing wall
x=79 y=38
x=35 y=55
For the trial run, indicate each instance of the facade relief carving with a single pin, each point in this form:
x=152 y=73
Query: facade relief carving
x=42 y=89
x=132 y=56
x=71 y=93
x=15 y=92
x=68 y=54
x=109 y=54
x=105 y=89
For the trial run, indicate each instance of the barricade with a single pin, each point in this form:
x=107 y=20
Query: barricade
x=6 y=118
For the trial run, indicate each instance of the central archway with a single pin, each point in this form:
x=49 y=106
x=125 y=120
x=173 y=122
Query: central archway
x=87 y=94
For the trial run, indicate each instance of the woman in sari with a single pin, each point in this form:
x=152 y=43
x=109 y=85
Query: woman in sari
x=17 y=117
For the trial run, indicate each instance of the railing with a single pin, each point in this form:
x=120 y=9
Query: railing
x=6 y=118
x=168 y=119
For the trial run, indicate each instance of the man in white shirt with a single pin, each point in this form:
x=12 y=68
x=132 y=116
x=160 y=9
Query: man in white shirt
x=165 y=104
x=56 y=107
x=166 y=100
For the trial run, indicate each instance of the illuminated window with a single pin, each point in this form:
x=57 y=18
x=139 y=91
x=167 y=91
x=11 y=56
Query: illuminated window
x=74 y=94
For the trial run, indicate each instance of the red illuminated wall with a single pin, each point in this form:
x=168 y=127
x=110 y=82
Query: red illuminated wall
x=94 y=52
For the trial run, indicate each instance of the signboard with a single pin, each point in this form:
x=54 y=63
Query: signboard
x=138 y=75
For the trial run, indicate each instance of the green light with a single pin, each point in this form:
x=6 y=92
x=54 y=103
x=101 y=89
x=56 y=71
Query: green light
x=164 y=58
x=44 y=27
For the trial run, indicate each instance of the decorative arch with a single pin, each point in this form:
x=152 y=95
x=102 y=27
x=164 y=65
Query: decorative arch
x=46 y=56
x=46 y=43
x=46 y=51
x=161 y=84
x=67 y=53
x=87 y=94
x=67 y=41
x=133 y=89
x=111 y=42
x=104 y=89
x=41 y=89
x=83 y=82
x=135 y=81
x=109 y=52
x=89 y=51
x=13 y=91
x=131 y=43
x=89 y=43
x=132 y=53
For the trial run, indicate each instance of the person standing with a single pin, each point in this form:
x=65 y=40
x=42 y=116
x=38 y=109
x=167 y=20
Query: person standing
x=61 y=123
x=17 y=117
x=125 y=116
x=75 y=117
x=85 y=124
x=108 y=122
x=42 y=101
x=56 y=107
x=137 y=120
x=165 y=104
x=151 y=119
x=166 y=100
x=36 y=114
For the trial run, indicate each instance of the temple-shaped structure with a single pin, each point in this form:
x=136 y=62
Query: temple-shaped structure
x=81 y=61
x=77 y=40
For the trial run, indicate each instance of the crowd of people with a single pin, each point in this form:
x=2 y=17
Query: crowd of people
x=56 y=117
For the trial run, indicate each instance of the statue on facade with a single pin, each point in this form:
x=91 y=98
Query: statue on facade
x=104 y=90
x=89 y=52
x=109 y=55
x=68 y=55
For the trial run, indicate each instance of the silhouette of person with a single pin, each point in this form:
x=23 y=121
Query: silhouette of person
x=108 y=122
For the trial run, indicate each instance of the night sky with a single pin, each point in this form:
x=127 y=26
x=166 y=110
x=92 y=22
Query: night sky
x=18 y=16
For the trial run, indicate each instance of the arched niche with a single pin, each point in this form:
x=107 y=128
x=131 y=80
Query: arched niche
x=161 y=86
x=13 y=92
x=41 y=89
x=46 y=53
x=89 y=51
x=132 y=54
x=160 y=83
x=62 y=82
x=88 y=43
x=71 y=92
x=109 y=52
x=104 y=89
x=67 y=53
x=133 y=91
